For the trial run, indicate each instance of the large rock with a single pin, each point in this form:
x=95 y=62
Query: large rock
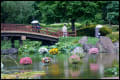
x=78 y=50
x=9 y=51
x=105 y=45
x=86 y=47
x=116 y=46
x=83 y=40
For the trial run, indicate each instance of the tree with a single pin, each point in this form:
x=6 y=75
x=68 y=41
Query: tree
x=16 y=11
x=113 y=12
x=67 y=10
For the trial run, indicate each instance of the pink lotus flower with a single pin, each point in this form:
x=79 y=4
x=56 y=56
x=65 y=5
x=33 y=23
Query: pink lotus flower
x=93 y=51
x=94 y=67
x=26 y=60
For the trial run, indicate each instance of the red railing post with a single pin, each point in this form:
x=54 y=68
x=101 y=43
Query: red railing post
x=47 y=31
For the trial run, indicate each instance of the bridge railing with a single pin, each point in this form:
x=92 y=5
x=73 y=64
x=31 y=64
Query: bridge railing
x=28 y=28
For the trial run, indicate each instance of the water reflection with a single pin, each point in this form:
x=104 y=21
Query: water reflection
x=91 y=67
x=94 y=67
x=75 y=71
x=54 y=69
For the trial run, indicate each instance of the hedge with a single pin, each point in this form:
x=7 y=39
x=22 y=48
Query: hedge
x=90 y=31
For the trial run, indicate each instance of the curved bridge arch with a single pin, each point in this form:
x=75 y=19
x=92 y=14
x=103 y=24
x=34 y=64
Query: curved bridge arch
x=47 y=35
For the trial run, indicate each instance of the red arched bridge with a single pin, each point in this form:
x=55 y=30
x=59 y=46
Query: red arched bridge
x=20 y=30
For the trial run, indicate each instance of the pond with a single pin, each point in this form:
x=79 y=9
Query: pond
x=92 y=67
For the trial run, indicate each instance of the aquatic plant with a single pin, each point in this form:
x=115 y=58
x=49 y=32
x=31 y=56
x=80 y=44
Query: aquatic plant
x=29 y=47
x=53 y=51
x=46 y=60
x=43 y=50
x=26 y=60
x=74 y=59
x=93 y=51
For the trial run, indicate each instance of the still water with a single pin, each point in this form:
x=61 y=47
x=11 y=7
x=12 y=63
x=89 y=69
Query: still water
x=92 y=67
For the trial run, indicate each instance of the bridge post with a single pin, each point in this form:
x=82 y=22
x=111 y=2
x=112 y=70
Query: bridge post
x=12 y=41
x=20 y=42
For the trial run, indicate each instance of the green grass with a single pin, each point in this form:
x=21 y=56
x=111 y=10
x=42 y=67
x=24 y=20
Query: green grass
x=91 y=40
x=58 y=26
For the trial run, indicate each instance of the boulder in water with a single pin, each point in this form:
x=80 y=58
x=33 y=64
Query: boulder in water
x=83 y=40
x=105 y=45
x=9 y=51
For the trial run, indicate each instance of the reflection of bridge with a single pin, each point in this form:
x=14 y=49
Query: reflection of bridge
x=16 y=31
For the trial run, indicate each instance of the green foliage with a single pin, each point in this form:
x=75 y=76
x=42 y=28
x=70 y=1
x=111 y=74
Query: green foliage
x=113 y=12
x=23 y=12
x=29 y=47
x=86 y=31
x=92 y=40
x=3 y=44
x=17 y=12
x=114 y=36
x=113 y=71
x=67 y=44
x=90 y=31
x=6 y=44
x=115 y=28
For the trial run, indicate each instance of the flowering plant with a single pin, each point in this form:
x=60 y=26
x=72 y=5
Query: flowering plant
x=74 y=59
x=46 y=60
x=43 y=50
x=53 y=51
x=26 y=60
x=93 y=51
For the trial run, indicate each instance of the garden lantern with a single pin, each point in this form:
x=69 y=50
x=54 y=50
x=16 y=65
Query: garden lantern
x=97 y=33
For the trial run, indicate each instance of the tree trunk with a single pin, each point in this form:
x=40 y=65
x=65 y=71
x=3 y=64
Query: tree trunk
x=73 y=24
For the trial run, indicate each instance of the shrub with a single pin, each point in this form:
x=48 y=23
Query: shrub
x=115 y=28
x=105 y=30
x=114 y=36
x=90 y=31
x=86 y=31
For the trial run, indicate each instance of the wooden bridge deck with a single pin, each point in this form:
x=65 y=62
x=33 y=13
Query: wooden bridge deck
x=32 y=33
x=28 y=29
